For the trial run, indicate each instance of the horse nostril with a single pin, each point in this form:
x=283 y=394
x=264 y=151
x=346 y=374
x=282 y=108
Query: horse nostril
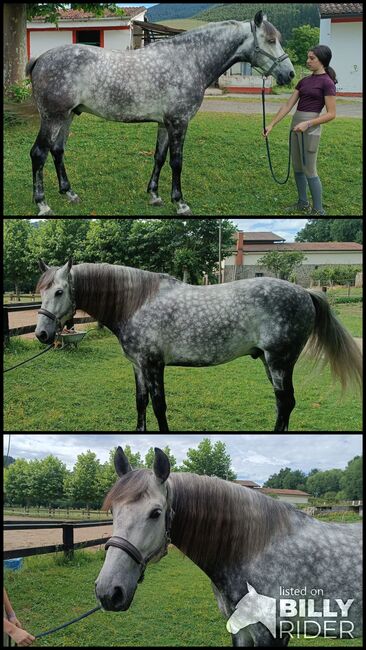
x=117 y=598
x=43 y=336
x=292 y=74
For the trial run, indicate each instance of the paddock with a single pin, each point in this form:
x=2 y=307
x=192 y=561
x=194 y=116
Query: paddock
x=225 y=167
x=92 y=388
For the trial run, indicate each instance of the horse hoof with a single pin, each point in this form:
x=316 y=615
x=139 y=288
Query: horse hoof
x=72 y=197
x=44 y=210
x=184 y=209
x=155 y=200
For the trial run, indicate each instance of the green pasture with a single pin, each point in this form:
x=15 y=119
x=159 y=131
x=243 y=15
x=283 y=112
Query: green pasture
x=92 y=388
x=225 y=169
x=174 y=606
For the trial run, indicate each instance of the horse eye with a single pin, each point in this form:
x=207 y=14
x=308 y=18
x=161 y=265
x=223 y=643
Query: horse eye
x=155 y=514
x=59 y=292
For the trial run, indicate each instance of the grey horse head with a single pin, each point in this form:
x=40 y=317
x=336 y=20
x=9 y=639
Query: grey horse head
x=58 y=304
x=141 y=506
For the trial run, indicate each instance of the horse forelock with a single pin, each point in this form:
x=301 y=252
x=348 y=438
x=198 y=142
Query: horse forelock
x=270 y=30
x=129 y=489
x=47 y=279
x=218 y=522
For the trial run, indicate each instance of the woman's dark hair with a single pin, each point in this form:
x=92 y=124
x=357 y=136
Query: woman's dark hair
x=324 y=54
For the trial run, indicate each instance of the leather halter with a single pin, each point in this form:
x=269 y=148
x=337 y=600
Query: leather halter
x=49 y=314
x=258 y=50
x=131 y=550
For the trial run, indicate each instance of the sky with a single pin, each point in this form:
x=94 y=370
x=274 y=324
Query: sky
x=254 y=457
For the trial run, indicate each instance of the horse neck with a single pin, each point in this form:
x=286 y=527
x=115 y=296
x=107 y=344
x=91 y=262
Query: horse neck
x=110 y=293
x=219 y=48
x=220 y=525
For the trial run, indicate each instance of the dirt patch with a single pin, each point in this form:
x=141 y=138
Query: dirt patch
x=14 y=539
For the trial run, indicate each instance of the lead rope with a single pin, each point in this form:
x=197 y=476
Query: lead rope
x=289 y=143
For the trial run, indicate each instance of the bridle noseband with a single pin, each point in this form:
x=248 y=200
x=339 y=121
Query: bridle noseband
x=131 y=550
x=258 y=50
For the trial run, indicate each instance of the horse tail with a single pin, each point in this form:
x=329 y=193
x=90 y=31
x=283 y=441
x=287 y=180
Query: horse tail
x=330 y=340
x=30 y=65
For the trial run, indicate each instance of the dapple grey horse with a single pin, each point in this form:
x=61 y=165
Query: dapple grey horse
x=164 y=82
x=161 y=321
x=252 y=547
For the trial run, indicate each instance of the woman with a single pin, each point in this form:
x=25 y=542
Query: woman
x=12 y=626
x=314 y=92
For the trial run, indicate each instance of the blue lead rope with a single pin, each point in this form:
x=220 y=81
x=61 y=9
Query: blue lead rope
x=75 y=620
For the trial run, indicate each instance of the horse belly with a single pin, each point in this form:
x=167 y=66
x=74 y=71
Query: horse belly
x=200 y=348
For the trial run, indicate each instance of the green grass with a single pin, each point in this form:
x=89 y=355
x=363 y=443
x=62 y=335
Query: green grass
x=225 y=169
x=92 y=388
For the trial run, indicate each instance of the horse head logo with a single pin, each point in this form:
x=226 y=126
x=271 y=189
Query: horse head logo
x=253 y=608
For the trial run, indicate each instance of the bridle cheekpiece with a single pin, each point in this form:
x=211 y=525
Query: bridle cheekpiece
x=49 y=314
x=258 y=50
x=131 y=550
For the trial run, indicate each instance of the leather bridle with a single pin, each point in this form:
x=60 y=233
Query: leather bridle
x=131 y=550
x=49 y=314
x=258 y=50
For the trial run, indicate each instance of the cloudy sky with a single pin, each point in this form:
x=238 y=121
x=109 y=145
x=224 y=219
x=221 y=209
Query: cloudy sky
x=254 y=456
x=285 y=228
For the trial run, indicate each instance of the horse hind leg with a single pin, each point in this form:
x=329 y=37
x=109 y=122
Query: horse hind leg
x=279 y=371
x=47 y=135
x=162 y=144
x=57 y=151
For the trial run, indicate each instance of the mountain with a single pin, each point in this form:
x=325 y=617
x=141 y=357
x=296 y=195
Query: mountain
x=171 y=10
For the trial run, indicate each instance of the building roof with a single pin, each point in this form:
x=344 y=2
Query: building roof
x=282 y=492
x=245 y=483
x=340 y=9
x=304 y=246
x=260 y=236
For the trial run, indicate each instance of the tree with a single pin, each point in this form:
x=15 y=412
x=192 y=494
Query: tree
x=209 y=460
x=15 y=27
x=282 y=263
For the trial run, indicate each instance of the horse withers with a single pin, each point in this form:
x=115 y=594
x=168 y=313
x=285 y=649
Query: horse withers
x=160 y=321
x=164 y=82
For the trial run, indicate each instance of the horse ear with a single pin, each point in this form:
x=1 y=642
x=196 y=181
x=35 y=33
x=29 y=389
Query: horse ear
x=258 y=18
x=121 y=462
x=161 y=465
x=42 y=265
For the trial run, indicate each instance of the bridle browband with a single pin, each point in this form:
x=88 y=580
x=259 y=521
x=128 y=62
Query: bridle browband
x=49 y=314
x=258 y=50
x=131 y=550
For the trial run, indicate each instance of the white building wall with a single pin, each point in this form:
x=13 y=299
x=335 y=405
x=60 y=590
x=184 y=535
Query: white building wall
x=117 y=40
x=44 y=40
x=323 y=257
x=345 y=41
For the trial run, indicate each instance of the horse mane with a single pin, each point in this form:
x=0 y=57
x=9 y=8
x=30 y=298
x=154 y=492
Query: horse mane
x=112 y=293
x=220 y=523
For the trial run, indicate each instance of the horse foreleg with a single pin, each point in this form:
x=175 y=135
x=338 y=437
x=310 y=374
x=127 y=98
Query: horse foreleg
x=142 y=399
x=177 y=131
x=161 y=151
x=154 y=377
